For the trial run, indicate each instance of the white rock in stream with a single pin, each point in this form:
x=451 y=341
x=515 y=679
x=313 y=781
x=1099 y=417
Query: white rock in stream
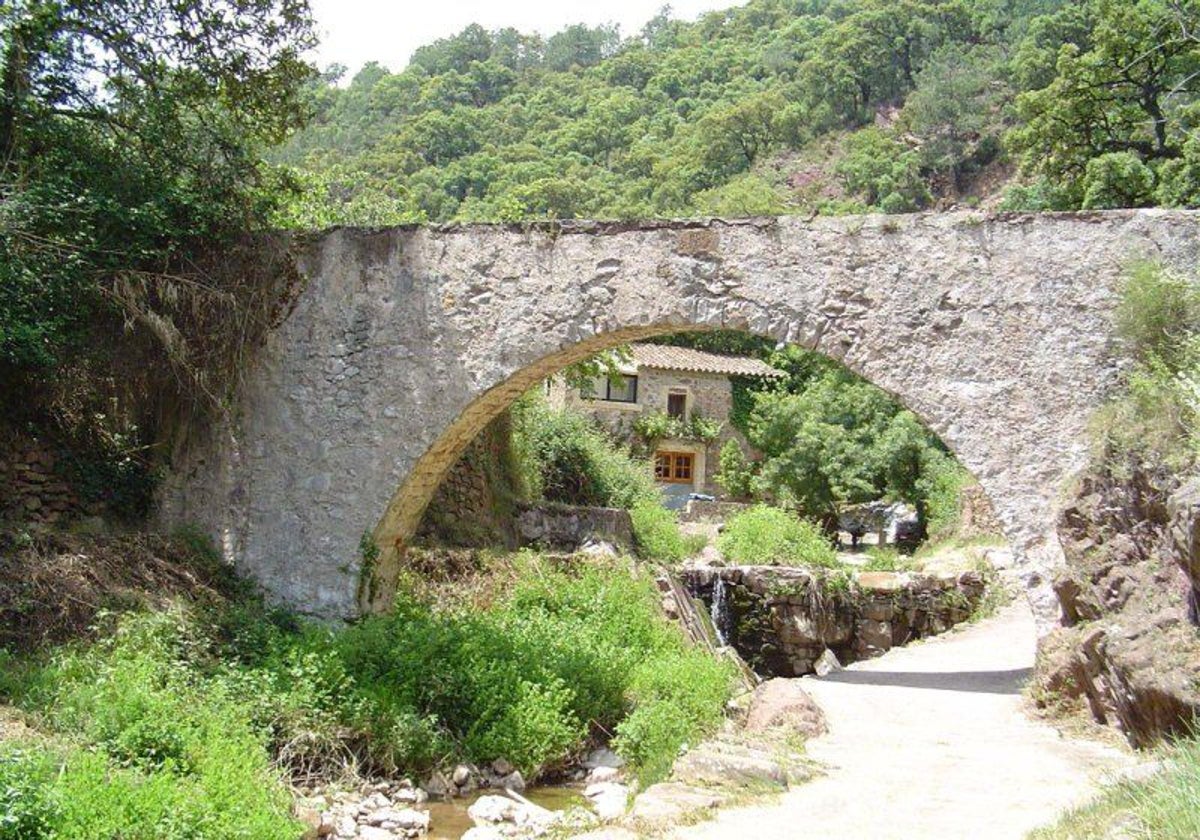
x=608 y=799
x=495 y=810
x=484 y=832
x=406 y=818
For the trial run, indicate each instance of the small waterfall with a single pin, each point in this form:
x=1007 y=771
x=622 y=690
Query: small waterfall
x=721 y=618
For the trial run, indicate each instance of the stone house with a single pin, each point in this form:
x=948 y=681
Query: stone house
x=686 y=393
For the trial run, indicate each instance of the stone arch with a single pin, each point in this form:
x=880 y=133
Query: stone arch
x=404 y=512
x=995 y=330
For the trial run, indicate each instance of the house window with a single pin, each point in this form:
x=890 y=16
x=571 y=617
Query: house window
x=677 y=404
x=675 y=467
x=619 y=388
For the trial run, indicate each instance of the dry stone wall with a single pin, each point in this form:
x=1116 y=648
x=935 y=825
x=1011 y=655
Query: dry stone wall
x=782 y=620
x=405 y=343
x=32 y=485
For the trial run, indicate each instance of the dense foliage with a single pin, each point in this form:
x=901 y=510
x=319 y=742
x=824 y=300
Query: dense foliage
x=564 y=458
x=185 y=723
x=774 y=106
x=828 y=438
x=131 y=135
x=764 y=535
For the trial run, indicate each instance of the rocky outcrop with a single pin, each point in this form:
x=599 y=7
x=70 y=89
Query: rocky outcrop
x=1128 y=650
x=1183 y=507
x=783 y=620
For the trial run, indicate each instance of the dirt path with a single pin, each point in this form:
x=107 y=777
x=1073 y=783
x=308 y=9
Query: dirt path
x=931 y=741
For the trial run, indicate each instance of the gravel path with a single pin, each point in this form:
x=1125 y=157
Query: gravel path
x=931 y=741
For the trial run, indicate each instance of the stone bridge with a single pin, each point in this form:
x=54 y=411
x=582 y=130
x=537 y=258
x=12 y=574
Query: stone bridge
x=402 y=344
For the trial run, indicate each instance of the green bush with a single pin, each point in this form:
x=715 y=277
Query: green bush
x=736 y=474
x=1157 y=414
x=182 y=716
x=656 y=532
x=768 y=535
x=564 y=458
x=167 y=753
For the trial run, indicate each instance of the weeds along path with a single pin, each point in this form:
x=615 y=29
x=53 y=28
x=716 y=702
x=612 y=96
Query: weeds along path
x=932 y=741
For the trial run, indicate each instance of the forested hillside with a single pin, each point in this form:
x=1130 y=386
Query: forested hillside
x=778 y=106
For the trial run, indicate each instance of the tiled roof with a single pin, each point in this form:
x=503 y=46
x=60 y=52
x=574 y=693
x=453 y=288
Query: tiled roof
x=667 y=357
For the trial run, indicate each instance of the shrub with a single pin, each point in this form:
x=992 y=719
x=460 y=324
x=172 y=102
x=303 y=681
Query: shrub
x=769 y=535
x=1156 y=416
x=566 y=459
x=941 y=484
x=656 y=531
x=187 y=712
x=678 y=699
x=735 y=475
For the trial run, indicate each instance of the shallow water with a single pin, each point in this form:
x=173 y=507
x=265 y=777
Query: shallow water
x=449 y=820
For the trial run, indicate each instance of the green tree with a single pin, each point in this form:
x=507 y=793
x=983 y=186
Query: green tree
x=131 y=131
x=956 y=111
x=1121 y=92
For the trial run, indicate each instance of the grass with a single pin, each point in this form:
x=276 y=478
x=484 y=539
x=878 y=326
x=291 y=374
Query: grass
x=1163 y=807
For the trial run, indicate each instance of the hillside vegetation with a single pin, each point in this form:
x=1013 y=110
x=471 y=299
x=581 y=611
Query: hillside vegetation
x=802 y=106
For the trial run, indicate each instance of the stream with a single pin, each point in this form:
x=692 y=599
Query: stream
x=449 y=820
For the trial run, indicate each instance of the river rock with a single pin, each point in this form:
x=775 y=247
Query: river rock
x=374 y=802
x=603 y=774
x=462 y=775
x=608 y=799
x=410 y=795
x=502 y=767
x=783 y=704
x=513 y=781
x=490 y=810
x=437 y=784
x=405 y=818
x=484 y=832
x=603 y=757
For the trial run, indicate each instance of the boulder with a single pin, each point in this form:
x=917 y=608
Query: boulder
x=783 y=704
x=722 y=765
x=484 y=832
x=671 y=803
x=513 y=781
x=608 y=799
x=437 y=784
x=827 y=664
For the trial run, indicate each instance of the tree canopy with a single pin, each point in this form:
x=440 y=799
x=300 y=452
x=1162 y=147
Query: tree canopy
x=777 y=106
x=131 y=131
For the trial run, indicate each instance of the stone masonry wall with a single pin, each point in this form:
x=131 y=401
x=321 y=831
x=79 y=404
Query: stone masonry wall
x=996 y=330
x=709 y=395
x=781 y=620
x=32 y=486
x=475 y=504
